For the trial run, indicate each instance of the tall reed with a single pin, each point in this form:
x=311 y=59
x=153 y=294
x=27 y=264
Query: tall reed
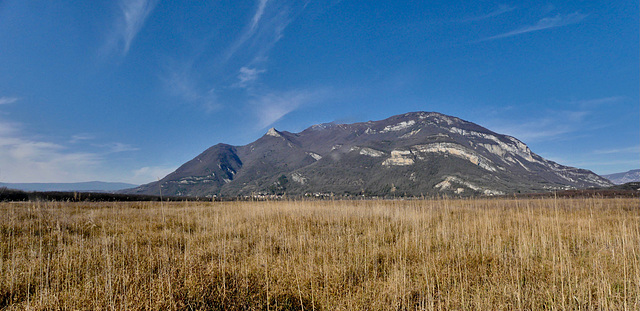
x=527 y=254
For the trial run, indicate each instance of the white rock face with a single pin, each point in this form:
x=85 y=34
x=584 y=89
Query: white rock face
x=190 y=180
x=524 y=166
x=398 y=127
x=444 y=185
x=448 y=182
x=272 y=132
x=315 y=156
x=297 y=177
x=445 y=119
x=492 y=192
x=455 y=150
x=411 y=133
x=495 y=149
x=571 y=174
x=371 y=152
x=399 y=157
x=515 y=147
x=318 y=127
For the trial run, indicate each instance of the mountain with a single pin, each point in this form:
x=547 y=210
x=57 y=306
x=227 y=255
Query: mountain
x=91 y=186
x=419 y=153
x=623 y=178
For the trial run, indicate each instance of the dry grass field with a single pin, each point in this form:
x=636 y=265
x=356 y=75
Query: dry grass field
x=480 y=254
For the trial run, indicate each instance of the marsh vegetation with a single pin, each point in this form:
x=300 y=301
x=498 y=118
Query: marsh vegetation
x=486 y=254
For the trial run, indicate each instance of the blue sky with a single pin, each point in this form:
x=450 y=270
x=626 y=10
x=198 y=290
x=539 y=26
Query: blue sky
x=128 y=90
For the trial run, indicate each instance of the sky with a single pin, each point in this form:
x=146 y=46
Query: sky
x=128 y=90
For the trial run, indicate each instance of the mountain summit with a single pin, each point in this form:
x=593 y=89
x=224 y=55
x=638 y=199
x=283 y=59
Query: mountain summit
x=418 y=153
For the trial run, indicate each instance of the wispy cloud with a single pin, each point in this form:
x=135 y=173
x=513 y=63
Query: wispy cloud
x=502 y=9
x=606 y=166
x=150 y=173
x=548 y=125
x=105 y=148
x=534 y=131
x=32 y=160
x=265 y=29
x=249 y=31
x=6 y=129
x=634 y=149
x=603 y=163
x=237 y=68
x=271 y=107
x=545 y=23
x=80 y=137
x=116 y=147
x=554 y=126
x=180 y=83
x=590 y=103
x=132 y=16
x=28 y=160
x=248 y=76
x=8 y=100
x=258 y=15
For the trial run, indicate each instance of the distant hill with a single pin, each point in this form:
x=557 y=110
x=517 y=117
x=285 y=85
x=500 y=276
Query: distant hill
x=419 y=153
x=91 y=186
x=634 y=186
x=623 y=178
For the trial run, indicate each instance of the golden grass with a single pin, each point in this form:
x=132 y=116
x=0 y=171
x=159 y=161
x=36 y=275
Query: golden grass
x=482 y=254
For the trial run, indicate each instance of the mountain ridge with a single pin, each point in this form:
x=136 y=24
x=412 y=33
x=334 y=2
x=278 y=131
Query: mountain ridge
x=89 y=186
x=624 y=177
x=416 y=153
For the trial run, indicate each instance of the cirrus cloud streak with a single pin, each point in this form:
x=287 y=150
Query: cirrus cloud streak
x=545 y=23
